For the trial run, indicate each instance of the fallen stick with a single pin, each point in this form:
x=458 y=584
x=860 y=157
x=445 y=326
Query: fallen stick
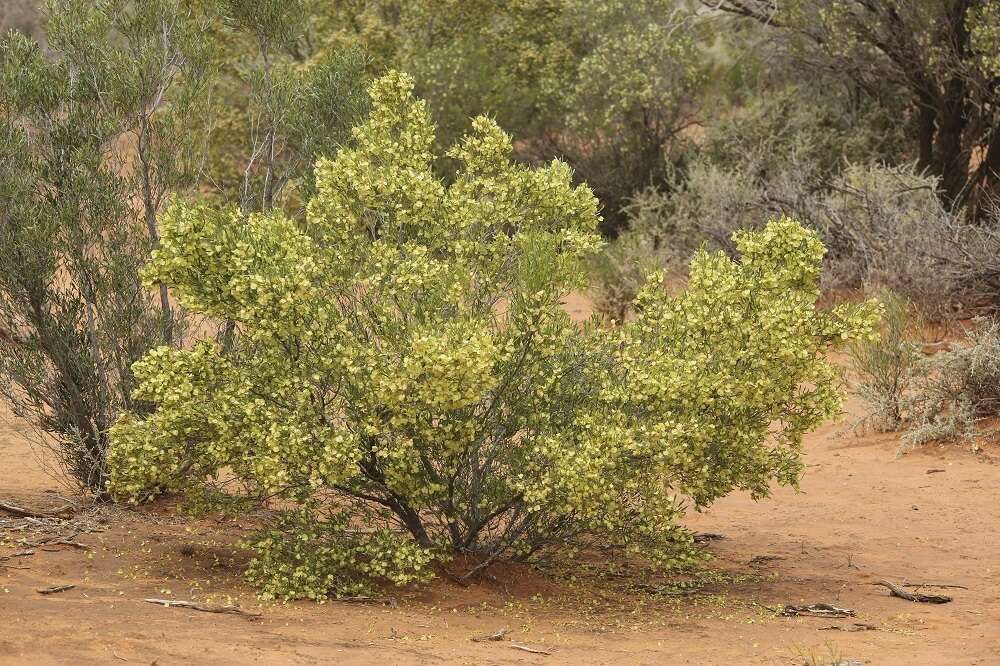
x=55 y=588
x=204 y=608
x=74 y=544
x=854 y=626
x=817 y=610
x=525 y=648
x=705 y=537
x=28 y=513
x=496 y=636
x=941 y=585
x=897 y=591
x=764 y=559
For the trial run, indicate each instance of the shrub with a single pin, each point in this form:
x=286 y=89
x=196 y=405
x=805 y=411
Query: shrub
x=78 y=217
x=954 y=391
x=884 y=365
x=884 y=226
x=405 y=381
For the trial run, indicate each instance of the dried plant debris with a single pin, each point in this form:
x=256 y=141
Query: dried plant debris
x=897 y=591
x=817 y=610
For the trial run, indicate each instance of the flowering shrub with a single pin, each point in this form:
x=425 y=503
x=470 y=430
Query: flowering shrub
x=406 y=383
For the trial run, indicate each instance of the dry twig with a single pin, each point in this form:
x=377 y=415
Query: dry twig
x=496 y=636
x=764 y=559
x=817 y=610
x=941 y=585
x=55 y=588
x=29 y=513
x=205 y=608
x=897 y=591
x=64 y=542
x=854 y=626
x=525 y=648
x=705 y=537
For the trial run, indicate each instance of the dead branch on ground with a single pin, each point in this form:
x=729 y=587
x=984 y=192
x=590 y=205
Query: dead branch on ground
x=897 y=591
x=55 y=588
x=30 y=513
x=204 y=608
x=495 y=636
x=817 y=610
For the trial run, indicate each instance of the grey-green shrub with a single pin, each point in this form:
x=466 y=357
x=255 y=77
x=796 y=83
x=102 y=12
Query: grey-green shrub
x=78 y=211
x=883 y=367
x=884 y=226
x=955 y=391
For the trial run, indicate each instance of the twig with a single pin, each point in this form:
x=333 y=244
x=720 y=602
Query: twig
x=817 y=610
x=388 y=601
x=28 y=513
x=21 y=553
x=941 y=585
x=55 y=588
x=935 y=470
x=496 y=636
x=205 y=608
x=764 y=559
x=63 y=542
x=854 y=626
x=705 y=537
x=897 y=591
x=525 y=648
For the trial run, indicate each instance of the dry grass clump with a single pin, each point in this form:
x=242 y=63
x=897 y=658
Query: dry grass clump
x=955 y=394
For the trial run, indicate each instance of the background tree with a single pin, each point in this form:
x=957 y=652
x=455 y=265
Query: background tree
x=923 y=49
x=607 y=85
x=93 y=136
x=286 y=97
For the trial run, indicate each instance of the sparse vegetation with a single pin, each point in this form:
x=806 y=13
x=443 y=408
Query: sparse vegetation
x=885 y=366
x=884 y=226
x=956 y=393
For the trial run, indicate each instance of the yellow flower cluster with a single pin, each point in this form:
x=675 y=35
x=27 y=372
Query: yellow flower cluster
x=404 y=377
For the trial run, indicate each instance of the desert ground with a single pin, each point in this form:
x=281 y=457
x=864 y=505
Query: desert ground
x=861 y=515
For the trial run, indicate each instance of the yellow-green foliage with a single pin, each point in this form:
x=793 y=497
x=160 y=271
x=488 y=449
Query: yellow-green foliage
x=405 y=379
x=984 y=29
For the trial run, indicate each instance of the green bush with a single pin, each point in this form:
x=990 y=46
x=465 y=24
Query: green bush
x=609 y=86
x=884 y=366
x=406 y=383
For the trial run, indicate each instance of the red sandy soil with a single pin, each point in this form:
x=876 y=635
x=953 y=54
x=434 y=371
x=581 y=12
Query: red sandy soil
x=862 y=514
